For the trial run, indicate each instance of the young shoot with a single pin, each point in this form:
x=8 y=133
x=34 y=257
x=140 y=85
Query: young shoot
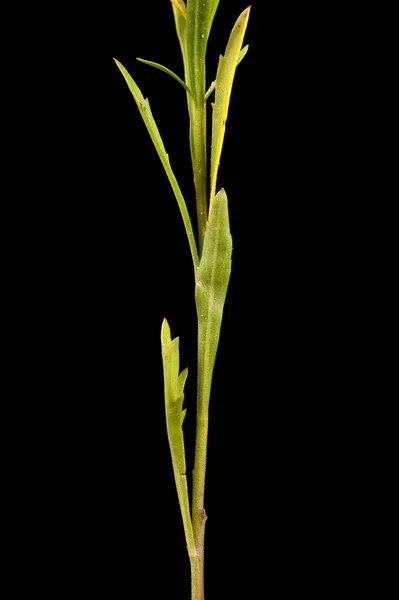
x=210 y=252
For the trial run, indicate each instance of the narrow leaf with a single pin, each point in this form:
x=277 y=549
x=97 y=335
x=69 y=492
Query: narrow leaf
x=243 y=52
x=166 y=70
x=174 y=397
x=224 y=83
x=213 y=8
x=145 y=111
x=213 y=84
x=210 y=90
x=213 y=276
x=181 y=7
x=181 y=31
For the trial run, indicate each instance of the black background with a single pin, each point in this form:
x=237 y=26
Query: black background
x=105 y=258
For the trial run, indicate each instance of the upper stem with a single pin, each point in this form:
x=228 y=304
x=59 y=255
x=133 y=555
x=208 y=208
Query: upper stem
x=198 y=146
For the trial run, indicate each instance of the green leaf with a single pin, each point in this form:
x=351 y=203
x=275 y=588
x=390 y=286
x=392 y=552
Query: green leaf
x=213 y=84
x=243 y=53
x=224 y=83
x=213 y=5
x=212 y=281
x=166 y=70
x=145 y=111
x=180 y=5
x=180 y=16
x=174 y=397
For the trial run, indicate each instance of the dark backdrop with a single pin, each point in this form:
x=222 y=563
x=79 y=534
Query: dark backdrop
x=107 y=259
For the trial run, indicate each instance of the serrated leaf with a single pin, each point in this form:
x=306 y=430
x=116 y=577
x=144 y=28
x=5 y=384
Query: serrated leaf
x=145 y=111
x=243 y=52
x=166 y=70
x=174 y=398
x=224 y=83
x=213 y=275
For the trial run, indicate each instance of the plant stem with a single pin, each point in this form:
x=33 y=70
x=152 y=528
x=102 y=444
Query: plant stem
x=198 y=514
x=196 y=582
x=198 y=510
x=198 y=138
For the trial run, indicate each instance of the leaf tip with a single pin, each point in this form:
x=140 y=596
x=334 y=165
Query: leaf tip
x=183 y=414
x=165 y=332
x=245 y=13
x=181 y=7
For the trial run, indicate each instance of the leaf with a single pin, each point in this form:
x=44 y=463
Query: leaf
x=166 y=70
x=224 y=83
x=181 y=31
x=213 y=8
x=181 y=7
x=213 y=84
x=213 y=275
x=180 y=17
x=243 y=53
x=174 y=397
x=145 y=111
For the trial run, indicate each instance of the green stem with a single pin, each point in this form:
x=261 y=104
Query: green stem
x=196 y=583
x=198 y=510
x=198 y=513
x=198 y=139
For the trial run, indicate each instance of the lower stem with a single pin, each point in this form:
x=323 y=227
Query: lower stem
x=198 y=513
x=196 y=585
x=198 y=136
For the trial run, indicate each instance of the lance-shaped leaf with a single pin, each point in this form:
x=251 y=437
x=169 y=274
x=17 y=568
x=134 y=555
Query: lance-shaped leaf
x=213 y=276
x=224 y=83
x=174 y=397
x=145 y=111
x=167 y=71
